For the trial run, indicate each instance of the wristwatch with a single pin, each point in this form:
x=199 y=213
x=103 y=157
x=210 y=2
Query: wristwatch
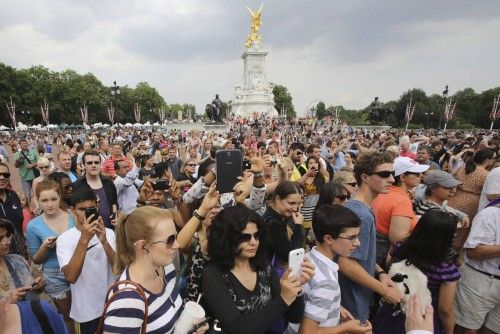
x=197 y=215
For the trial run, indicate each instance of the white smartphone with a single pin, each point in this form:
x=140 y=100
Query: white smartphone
x=295 y=259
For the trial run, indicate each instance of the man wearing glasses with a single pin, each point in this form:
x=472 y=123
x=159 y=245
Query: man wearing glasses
x=296 y=154
x=374 y=174
x=86 y=254
x=102 y=186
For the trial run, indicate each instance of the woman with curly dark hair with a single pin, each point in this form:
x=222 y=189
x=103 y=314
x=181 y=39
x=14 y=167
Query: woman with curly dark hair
x=429 y=248
x=241 y=289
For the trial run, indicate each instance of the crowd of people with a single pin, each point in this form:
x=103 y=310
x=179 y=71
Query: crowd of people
x=141 y=209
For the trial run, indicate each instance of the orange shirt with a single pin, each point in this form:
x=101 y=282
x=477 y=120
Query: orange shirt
x=395 y=203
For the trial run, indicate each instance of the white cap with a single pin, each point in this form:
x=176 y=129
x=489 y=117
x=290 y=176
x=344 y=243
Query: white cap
x=405 y=164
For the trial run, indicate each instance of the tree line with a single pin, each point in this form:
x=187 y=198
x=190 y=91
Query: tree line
x=67 y=91
x=472 y=110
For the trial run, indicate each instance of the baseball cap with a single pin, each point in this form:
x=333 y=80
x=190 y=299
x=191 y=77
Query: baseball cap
x=442 y=178
x=404 y=164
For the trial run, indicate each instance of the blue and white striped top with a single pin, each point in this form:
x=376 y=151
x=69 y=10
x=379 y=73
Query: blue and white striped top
x=126 y=313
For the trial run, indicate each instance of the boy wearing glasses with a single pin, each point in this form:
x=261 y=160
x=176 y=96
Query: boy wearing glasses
x=337 y=230
x=374 y=174
x=86 y=254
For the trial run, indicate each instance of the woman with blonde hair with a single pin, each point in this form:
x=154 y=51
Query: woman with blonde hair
x=146 y=245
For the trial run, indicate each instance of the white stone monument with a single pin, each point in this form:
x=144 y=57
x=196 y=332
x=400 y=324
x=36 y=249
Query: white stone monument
x=254 y=94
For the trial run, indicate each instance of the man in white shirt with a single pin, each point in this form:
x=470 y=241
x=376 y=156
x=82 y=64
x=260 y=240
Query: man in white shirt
x=125 y=182
x=86 y=254
x=477 y=304
x=491 y=188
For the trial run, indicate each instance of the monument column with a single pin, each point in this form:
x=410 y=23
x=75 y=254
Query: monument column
x=254 y=94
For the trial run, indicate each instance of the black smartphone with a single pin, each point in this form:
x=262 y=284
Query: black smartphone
x=91 y=211
x=229 y=165
x=161 y=185
x=247 y=164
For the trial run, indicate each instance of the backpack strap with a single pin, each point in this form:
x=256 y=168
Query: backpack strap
x=41 y=317
x=134 y=287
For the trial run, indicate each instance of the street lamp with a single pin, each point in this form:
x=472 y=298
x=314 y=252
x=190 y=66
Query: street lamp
x=25 y=115
x=427 y=114
x=115 y=90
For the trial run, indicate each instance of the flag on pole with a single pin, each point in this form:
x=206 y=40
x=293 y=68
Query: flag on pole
x=111 y=114
x=45 y=112
x=137 y=113
x=84 y=113
x=495 y=112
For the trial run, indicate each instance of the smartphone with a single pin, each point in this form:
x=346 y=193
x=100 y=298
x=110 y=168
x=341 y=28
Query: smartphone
x=295 y=259
x=91 y=211
x=161 y=185
x=229 y=166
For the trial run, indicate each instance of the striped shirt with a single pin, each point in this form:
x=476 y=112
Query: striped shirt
x=322 y=293
x=126 y=313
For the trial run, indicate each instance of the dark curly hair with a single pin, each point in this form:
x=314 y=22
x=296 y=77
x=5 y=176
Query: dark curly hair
x=223 y=236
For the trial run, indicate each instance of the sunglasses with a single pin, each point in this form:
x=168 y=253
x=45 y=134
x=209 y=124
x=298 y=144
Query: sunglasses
x=246 y=237
x=191 y=165
x=413 y=173
x=384 y=174
x=43 y=167
x=352 y=184
x=5 y=175
x=168 y=243
x=343 y=197
x=93 y=163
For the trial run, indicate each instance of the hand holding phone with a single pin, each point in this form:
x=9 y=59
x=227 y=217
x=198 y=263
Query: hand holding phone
x=91 y=212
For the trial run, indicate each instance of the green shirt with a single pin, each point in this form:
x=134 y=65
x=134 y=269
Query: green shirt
x=25 y=173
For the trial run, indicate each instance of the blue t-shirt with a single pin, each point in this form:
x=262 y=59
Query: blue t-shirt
x=36 y=232
x=356 y=298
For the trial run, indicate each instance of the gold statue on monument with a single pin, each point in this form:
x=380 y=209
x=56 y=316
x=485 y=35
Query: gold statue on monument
x=254 y=37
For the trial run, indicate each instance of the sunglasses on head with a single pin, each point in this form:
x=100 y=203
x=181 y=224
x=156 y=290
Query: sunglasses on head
x=246 y=237
x=168 y=243
x=5 y=175
x=384 y=174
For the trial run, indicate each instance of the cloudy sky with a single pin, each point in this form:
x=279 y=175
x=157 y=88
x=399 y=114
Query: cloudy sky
x=343 y=52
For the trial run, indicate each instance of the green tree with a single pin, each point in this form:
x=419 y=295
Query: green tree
x=321 y=110
x=421 y=102
x=148 y=99
x=283 y=99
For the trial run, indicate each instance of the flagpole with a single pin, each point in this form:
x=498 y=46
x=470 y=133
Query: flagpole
x=494 y=111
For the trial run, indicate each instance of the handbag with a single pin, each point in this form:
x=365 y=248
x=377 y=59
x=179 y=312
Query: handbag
x=134 y=287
